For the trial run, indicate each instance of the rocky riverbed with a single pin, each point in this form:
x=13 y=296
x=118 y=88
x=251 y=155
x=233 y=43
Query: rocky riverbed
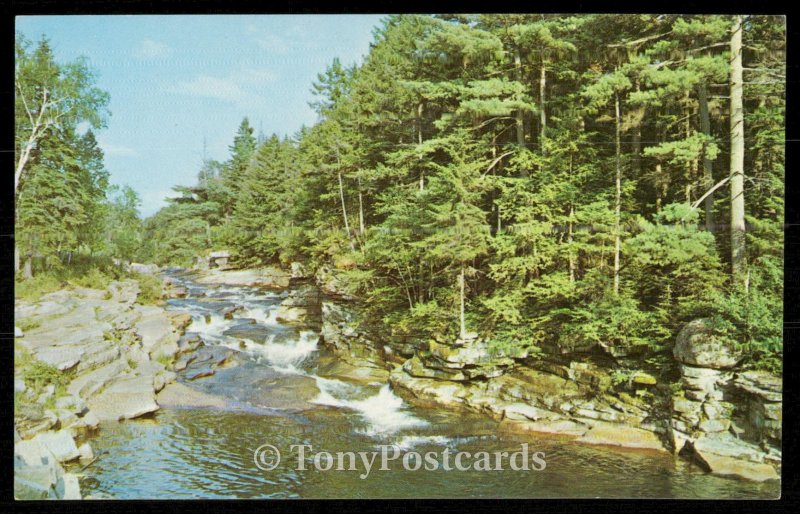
x=726 y=419
x=88 y=357
x=251 y=341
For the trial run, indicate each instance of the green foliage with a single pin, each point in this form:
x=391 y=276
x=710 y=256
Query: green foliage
x=615 y=322
x=38 y=375
x=26 y=324
x=94 y=279
x=151 y=288
x=32 y=289
x=429 y=163
x=752 y=320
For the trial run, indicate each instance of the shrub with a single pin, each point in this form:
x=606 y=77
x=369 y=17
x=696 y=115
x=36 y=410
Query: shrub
x=39 y=375
x=151 y=288
x=93 y=279
x=26 y=324
x=33 y=288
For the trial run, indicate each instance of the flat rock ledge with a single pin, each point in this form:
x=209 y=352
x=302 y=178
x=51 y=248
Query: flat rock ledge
x=112 y=357
x=512 y=399
x=264 y=277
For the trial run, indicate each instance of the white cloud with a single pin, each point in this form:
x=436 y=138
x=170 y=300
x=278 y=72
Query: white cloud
x=241 y=88
x=112 y=150
x=150 y=49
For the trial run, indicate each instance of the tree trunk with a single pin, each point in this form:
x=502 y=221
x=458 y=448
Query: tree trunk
x=344 y=208
x=520 y=121
x=361 y=228
x=344 y=212
x=27 y=271
x=637 y=145
x=542 y=111
x=738 y=256
x=569 y=233
x=691 y=169
x=708 y=171
x=463 y=325
x=36 y=130
x=618 y=197
x=419 y=140
x=569 y=241
x=16 y=259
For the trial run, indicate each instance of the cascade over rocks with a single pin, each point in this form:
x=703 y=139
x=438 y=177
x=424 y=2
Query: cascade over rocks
x=720 y=417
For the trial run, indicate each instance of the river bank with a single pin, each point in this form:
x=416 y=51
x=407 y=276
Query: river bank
x=289 y=350
x=703 y=408
x=87 y=357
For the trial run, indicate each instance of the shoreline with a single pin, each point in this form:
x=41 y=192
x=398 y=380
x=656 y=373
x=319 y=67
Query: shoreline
x=162 y=331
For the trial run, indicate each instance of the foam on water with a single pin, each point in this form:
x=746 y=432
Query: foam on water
x=384 y=412
x=288 y=356
x=211 y=327
x=266 y=315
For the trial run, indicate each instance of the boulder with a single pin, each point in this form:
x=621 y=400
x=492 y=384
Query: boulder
x=298 y=270
x=153 y=330
x=60 y=357
x=177 y=292
x=180 y=320
x=521 y=411
x=18 y=332
x=697 y=345
x=723 y=454
x=68 y=487
x=330 y=283
x=127 y=398
x=36 y=472
x=415 y=368
x=219 y=259
x=268 y=277
x=180 y=395
x=301 y=306
x=643 y=378
x=702 y=379
x=444 y=393
x=60 y=444
x=125 y=291
x=145 y=269
x=85 y=451
x=90 y=420
x=563 y=427
x=760 y=384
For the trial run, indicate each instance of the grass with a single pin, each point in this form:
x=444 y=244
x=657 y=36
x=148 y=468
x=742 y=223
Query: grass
x=26 y=324
x=34 y=288
x=93 y=273
x=39 y=375
x=151 y=288
x=93 y=279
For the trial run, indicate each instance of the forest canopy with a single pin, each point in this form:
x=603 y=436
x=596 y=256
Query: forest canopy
x=540 y=180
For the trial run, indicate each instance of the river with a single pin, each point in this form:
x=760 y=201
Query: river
x=285 y=389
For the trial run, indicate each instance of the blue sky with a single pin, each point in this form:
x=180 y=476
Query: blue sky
x=177 y=80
